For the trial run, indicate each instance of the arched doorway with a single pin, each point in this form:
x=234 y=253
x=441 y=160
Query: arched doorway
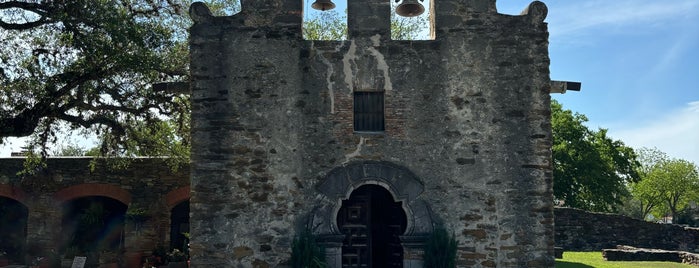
x=92 y=224
x=13 y=229
x=179 y=225
x=371 y=221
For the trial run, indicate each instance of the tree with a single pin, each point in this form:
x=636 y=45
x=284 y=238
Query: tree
x=590 y=169
x=90 y=66
x=667 y=185
x=644 y=197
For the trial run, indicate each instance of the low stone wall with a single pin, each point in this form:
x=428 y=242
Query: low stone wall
x=578 y=230
x=627 y=253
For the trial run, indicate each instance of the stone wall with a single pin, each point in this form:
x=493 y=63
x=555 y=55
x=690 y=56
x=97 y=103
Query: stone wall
x=578 y=230
x=146 y=183
x=467 y=124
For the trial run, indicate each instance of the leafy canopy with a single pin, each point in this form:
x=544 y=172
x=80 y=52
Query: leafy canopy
x=590 y=169
x=90 y=66
x=668 y=185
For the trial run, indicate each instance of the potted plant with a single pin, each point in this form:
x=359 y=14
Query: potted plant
x=176 y=259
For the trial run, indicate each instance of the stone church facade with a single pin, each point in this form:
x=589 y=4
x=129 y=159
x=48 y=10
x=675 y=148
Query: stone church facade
x=371 y=143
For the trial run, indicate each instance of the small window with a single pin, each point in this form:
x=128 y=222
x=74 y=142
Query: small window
x=368 y=111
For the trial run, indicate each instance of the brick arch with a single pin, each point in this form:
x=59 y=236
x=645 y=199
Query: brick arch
x=179 y=195
x=14 y=193
x=93 y=189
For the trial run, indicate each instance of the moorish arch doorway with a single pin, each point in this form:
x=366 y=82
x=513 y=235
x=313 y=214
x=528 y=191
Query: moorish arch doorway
x=372 y=223
x=384 y=197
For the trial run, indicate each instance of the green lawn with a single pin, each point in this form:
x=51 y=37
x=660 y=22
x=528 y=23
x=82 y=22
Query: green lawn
x=594 y=259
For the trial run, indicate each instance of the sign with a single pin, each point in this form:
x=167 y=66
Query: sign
x=79 y=262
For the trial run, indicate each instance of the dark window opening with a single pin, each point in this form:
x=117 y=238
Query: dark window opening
x=368 y=111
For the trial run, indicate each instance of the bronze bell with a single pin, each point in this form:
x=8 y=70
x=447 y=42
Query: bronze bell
x=323 y=5
x=410 y=8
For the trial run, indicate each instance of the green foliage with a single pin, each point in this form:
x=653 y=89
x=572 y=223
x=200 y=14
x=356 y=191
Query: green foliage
x=440 y=250
x=591 y=170
x=667 y=185
x=88 y=67
x=306 y=253
x=328 y=25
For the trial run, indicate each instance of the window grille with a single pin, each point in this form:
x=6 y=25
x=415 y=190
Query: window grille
x=368 y=111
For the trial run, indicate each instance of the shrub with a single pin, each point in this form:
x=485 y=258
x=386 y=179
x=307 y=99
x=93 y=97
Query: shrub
x=440 y=250
x=306 y=253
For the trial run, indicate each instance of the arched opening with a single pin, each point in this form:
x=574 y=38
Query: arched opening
x=13 y=229
x=325 y=24
x=372 y=223
x=179 y=227
x=91 y=225
x=412 y=28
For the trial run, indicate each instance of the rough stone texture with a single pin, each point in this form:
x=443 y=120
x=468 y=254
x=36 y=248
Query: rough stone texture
x=147 y=183
x=467 y=117
x=628 y=253
x=578 y=230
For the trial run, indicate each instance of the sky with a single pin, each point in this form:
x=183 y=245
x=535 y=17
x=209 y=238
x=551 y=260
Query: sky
x=638 y=61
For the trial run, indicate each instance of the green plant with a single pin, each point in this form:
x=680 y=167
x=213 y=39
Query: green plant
x=440 y=250
x=176 y=256
x=306 y=253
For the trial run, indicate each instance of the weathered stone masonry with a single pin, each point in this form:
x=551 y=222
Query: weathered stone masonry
x=466 y=143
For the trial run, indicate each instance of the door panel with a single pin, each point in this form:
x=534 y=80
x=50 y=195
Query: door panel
x=372 y=223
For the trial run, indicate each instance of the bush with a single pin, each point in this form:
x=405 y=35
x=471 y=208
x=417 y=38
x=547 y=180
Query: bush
x=306 y=253
x=440 y=250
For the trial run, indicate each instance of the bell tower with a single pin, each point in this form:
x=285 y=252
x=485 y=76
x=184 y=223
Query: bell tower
x=291 y=135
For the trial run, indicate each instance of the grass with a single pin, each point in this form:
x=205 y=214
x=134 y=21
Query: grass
x=594 y=259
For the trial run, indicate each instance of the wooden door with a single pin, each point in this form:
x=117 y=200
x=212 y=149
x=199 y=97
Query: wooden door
x=372 y=223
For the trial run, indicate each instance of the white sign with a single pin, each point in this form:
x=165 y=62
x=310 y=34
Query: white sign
x=79 y=262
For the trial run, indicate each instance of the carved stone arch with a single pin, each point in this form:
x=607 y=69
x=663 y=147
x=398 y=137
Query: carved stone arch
x=339 y=184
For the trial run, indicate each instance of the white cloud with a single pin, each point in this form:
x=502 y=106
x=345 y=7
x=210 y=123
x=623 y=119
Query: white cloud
x=675 y=133
x=571 y=18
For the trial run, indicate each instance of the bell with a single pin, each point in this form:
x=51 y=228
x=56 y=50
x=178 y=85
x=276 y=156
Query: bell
x=410 y=8
x=323 y=5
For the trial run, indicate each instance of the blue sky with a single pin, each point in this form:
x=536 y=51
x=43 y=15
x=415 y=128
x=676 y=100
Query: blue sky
x=638 y=64
x=637 y=61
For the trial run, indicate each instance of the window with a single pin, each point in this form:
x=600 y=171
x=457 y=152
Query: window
x=368 y=111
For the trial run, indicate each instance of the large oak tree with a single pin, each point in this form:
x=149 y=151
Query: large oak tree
x=91 y=65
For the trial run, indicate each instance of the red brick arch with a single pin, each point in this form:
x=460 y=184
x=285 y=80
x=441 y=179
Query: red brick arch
x=14 y=193
x=93 y=189
x=177 y=196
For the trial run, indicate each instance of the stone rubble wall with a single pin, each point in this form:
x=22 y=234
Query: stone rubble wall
x=578 y=230
x=628 y=253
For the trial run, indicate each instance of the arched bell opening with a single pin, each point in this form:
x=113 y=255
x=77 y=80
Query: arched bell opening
x=179 y=227
x=13 y=230
x=324 y=20
x=372 y=223
x=412 y=20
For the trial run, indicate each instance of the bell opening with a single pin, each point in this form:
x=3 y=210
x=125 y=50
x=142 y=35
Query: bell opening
x=324 y=20
x=412 y=20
